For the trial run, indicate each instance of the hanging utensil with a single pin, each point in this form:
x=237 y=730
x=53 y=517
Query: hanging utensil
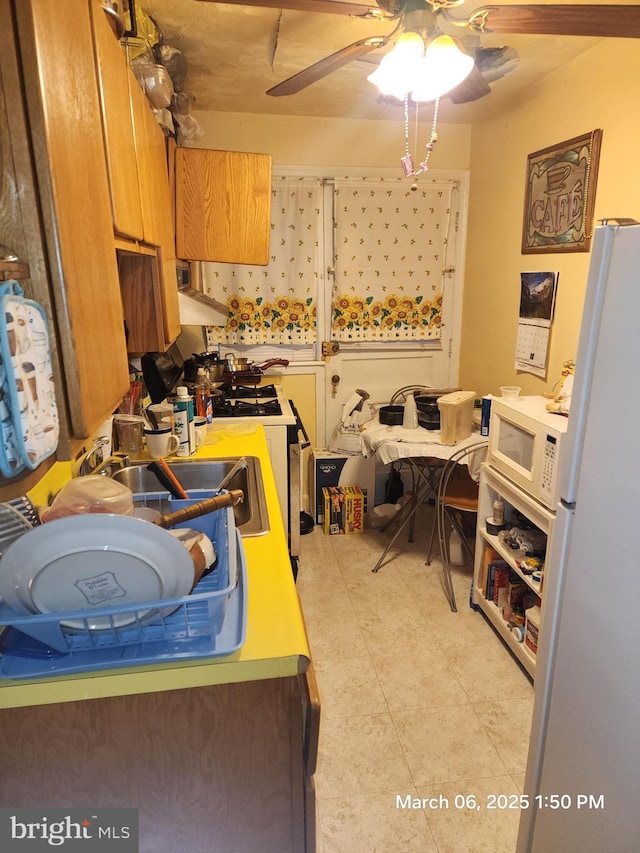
x=167 y=478
x=232 y=498
x=151 y=417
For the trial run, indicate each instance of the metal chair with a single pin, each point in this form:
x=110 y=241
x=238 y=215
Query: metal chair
x=457 y=493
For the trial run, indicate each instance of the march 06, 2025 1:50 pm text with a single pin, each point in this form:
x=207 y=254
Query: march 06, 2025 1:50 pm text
x=469 y=802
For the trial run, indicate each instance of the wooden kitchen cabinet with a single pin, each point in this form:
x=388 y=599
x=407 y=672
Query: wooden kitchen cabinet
x=209 y=768
x=223 y=206
x=120 y=146
x=57 y=178
x=140 y=197
x=155 y=199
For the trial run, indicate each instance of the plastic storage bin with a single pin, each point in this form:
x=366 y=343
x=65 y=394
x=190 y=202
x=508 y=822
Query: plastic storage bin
x=456 y=416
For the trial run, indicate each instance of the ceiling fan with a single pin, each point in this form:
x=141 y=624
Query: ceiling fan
x=424 y=17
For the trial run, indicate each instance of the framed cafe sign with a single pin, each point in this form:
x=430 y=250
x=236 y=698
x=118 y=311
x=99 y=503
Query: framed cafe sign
x=560 y=196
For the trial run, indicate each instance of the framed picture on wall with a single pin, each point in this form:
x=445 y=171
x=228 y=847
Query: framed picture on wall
x=560 y=196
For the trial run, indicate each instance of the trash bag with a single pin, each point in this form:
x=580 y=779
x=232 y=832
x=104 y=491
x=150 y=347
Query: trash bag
x=394 y=487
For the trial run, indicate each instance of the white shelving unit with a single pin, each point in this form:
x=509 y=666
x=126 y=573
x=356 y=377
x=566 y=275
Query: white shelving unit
x=492 y=484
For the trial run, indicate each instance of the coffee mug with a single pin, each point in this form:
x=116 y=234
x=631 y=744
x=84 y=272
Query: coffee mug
x=161 y=442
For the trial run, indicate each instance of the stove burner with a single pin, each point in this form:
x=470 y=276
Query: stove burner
x=234 y=408
x=250 y=391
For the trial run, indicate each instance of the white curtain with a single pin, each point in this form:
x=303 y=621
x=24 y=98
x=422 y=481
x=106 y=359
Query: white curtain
x=275 y=304
x=391 y=257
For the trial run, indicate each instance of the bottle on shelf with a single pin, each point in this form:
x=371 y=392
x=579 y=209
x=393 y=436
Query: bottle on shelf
x=498 y=511
x=183 y=421
x=532 y=627
x=204 y=405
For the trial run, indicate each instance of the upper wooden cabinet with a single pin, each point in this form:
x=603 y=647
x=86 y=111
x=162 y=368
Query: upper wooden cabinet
x=155 y=200
x=54 y=61
x=114 y=79
x=140 y=197
x=223 y=206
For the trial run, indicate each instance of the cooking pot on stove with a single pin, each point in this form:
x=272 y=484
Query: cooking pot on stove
x=209 y=360
x=252 y=373
x=234 y=364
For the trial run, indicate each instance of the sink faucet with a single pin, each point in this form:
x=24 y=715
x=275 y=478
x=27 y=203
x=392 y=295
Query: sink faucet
x=93 y=461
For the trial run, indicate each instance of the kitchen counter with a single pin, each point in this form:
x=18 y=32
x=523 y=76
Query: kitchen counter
x=276 y=643
x=214 y=755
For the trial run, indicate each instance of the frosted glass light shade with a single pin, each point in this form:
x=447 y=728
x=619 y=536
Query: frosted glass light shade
x=443 y=67
x=398 y=69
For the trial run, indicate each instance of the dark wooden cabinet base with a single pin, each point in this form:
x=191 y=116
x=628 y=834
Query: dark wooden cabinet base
x=210 y=769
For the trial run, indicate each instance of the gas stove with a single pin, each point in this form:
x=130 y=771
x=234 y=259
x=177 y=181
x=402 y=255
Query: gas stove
x=266 y=404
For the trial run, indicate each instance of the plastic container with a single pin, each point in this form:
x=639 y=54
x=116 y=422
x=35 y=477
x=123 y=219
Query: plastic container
x=92 y=493
x=155 y=83
x=383 y=514
x=183 y=425
x=532 y=627
x=456 y=416
x=410 y=413
x=456 y=555
x=510 y=392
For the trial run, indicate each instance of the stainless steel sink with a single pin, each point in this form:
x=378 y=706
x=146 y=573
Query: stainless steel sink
x=251 y=516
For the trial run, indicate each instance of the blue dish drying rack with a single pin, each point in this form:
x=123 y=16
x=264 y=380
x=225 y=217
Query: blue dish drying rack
x=210 y=622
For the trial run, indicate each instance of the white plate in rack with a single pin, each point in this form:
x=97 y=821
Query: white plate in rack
x=94 y=560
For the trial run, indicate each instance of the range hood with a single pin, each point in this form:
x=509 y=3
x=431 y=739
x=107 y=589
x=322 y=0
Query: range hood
x=197 y=308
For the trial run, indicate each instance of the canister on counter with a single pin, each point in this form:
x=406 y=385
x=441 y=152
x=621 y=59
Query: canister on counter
x=183 y=422
x=485 y=414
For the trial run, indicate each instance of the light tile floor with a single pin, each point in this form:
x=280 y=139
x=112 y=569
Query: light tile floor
x=417 y=701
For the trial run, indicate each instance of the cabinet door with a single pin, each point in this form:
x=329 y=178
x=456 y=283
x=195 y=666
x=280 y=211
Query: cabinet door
x=223 y=206
x=156 y=205
x=117 y=125
x=63 y=108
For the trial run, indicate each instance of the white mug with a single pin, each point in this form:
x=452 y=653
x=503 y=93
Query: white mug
x=161 y=442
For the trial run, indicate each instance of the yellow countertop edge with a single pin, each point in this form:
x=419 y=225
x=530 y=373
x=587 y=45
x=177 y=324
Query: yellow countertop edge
x=276 y=644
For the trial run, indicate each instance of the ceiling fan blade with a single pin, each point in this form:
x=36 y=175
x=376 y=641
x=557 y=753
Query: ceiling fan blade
x=333 y=7
x=326 y=66
x=472 y=87
x=562 y=20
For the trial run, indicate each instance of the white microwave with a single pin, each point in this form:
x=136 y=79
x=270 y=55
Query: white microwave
x=525 y=443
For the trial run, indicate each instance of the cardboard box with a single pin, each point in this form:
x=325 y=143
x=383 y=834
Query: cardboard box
x=343 y=510
x=334 y=469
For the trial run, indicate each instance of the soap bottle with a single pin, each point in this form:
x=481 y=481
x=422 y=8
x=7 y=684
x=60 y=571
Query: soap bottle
x=204 y=407
x=410 y=416
x=183 y=422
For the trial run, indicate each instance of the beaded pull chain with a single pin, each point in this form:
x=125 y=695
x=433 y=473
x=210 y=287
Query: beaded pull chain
x=408 y=166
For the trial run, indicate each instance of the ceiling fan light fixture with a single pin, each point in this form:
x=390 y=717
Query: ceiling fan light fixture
x=398 y=69
x=443 y=68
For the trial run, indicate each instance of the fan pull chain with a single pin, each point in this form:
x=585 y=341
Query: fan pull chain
x=408 y=166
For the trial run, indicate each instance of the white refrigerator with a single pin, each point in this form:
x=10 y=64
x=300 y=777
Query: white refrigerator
x=582 y=786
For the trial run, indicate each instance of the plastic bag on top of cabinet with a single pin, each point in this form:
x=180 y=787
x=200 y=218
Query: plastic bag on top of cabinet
x=28 y=414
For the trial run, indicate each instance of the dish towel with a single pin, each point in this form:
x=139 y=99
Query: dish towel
x=29 y=426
